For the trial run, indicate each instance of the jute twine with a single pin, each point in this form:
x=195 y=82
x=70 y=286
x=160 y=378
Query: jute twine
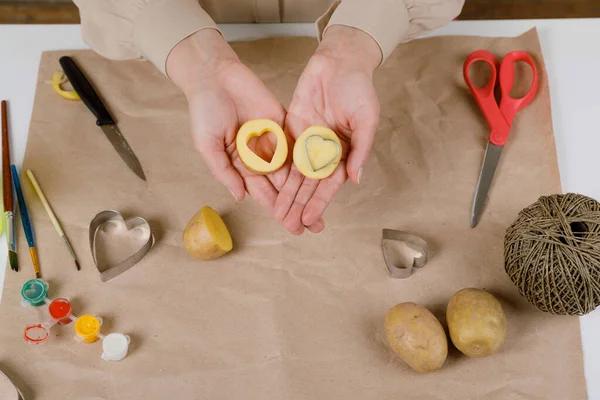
x=552 y=254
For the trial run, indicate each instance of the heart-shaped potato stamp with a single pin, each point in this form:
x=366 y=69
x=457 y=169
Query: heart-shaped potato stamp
x=118 y=244
x=317 y=152
x=255 y=128
x=320 y=152
x=403 y=251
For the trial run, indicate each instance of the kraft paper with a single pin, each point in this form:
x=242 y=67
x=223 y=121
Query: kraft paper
x=285 y=317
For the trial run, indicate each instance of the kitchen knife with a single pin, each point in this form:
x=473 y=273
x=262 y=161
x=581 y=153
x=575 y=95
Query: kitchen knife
x=103 y=118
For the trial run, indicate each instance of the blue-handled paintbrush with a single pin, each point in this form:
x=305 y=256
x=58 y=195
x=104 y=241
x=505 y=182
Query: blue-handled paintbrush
x=26 y=221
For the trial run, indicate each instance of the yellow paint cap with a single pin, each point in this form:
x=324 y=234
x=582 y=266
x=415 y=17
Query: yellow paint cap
x=87 y=327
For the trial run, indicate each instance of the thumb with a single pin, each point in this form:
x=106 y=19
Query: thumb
x=216 y=159
x=361 y=142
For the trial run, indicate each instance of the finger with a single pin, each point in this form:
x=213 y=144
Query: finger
x=322 y=196
x=287 y=194
x=298 y=231
x=216 y=159
x=258 y=187
x=293 y=219
x=317 y=227
x=363 y=134
x=293 y=179
x=279 y=177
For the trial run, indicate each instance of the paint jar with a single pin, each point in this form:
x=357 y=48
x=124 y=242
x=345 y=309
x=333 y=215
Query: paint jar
x=87 y=328
x=37 y=333
x=115 y=346
x=60 y=311
x=34 y=293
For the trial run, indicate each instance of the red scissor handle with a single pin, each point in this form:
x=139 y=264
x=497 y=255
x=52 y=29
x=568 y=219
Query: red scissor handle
x=500 y=117
x=509 y=105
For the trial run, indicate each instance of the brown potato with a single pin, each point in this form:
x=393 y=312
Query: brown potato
x=417 y=336
x=206 y=237
x=476 y=322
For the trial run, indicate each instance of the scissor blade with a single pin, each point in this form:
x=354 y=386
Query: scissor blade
x=122 y=147
x=490 y=162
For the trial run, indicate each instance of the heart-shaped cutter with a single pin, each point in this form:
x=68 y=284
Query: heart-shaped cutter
x=417 y=259
x=312 y=168
x=110 y=215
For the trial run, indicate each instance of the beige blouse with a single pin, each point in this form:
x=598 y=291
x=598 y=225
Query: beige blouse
x=130 y=29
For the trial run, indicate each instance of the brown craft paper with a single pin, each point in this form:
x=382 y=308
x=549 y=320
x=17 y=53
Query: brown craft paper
x=285 y=317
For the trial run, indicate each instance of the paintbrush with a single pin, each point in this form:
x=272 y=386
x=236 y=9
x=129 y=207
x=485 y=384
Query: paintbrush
x=7 y=194
x=55 y=222
x=26 y=222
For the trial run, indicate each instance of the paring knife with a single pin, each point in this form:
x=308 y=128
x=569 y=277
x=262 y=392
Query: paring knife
x=103 y=118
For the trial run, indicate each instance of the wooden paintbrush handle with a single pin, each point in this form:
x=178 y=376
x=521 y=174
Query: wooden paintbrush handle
x=6 y=175
x=44 y=201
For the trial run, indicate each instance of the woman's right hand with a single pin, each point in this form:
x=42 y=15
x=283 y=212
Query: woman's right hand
x=222 y=93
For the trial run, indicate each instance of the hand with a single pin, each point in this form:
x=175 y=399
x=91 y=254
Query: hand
x=335 y=90
x=222 y=94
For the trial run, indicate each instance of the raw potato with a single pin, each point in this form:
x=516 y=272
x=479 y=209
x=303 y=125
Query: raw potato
x=476 y=322
x=417 y=336
x=251 y=160
x=317 y=152
x=206 y=237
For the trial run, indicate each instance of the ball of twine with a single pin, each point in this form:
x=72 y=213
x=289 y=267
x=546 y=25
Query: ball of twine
x=552 y=254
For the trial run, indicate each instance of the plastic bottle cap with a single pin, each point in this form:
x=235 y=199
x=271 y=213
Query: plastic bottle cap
x=87 y=327
x=34 y=292
x=36 y=334
x=115 y=346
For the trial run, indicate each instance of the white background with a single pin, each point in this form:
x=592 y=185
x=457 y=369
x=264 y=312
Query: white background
x=573 y=69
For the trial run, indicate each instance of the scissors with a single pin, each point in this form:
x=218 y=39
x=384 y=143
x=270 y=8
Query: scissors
x=499 y=116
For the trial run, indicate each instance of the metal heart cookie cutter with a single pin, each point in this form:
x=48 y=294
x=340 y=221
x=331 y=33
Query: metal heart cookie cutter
x=410 y=252
x=106 y=216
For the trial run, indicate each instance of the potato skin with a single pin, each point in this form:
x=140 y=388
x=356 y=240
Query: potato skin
x=417 y=336
x=198 y=241
x=476 y=322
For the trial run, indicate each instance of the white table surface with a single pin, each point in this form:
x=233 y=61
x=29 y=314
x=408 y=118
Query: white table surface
x=574 y=86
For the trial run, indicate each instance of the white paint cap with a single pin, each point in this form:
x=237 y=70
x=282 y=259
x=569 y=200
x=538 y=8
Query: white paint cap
x=114 y=347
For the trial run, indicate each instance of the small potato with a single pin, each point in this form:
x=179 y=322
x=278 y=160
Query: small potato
x=417 y=336
x=206 y=237
x=476 y=322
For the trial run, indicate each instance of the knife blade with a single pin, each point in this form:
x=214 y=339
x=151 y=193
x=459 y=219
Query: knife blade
x=488 y=169
x=103 y=118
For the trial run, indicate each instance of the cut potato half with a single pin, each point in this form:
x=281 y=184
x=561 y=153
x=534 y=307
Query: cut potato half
x=206 y=236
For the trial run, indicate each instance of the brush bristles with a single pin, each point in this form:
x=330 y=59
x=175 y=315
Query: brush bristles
x=14 y=261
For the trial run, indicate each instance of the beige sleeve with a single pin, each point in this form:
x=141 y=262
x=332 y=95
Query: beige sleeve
x=391 y=22
x=130 y=29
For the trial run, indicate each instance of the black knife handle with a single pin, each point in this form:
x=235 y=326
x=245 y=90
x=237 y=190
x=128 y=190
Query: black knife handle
x=85 y=91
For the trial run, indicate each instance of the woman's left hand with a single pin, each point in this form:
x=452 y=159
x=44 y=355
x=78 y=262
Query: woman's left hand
x=335 y=90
